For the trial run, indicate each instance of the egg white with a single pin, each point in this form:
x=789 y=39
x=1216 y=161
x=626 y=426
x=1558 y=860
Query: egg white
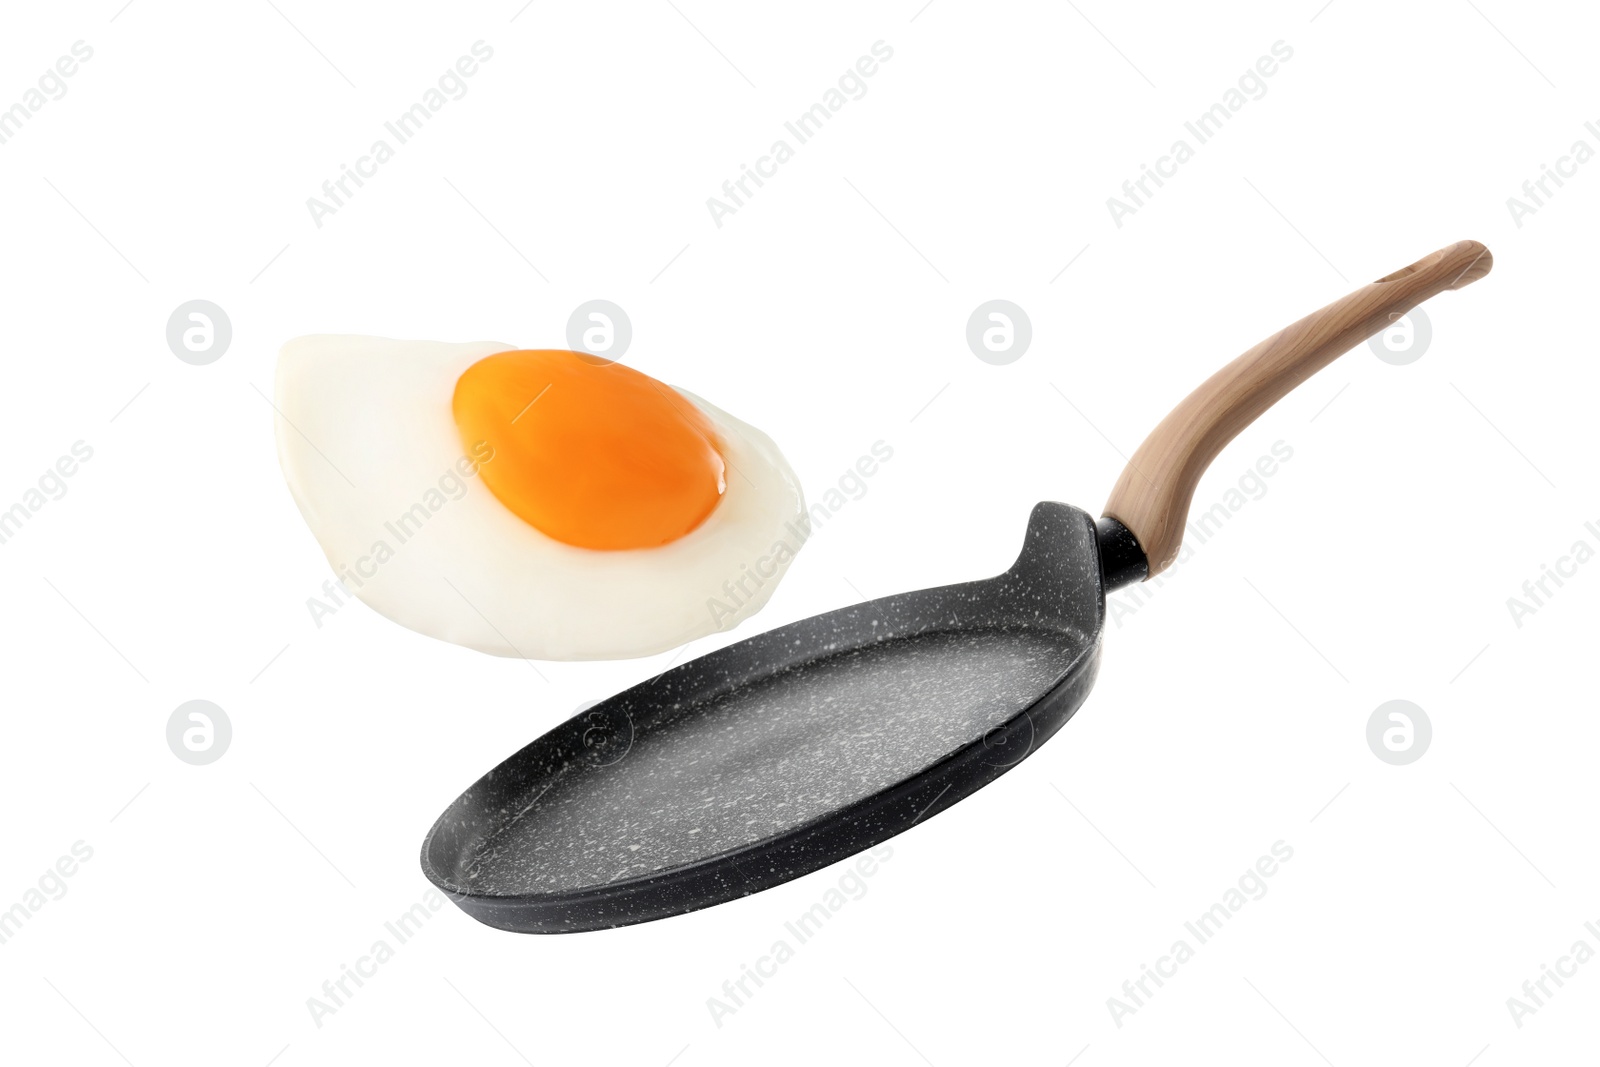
x=374 y=460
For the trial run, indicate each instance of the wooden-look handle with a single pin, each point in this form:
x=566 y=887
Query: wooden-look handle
x=1152 y=497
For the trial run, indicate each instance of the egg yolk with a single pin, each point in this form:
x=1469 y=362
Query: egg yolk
x=590 y=452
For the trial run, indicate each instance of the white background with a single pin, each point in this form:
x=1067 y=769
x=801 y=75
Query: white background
x=830 y=310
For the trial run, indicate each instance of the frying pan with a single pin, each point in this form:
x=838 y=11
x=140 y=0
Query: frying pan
x=781 y=754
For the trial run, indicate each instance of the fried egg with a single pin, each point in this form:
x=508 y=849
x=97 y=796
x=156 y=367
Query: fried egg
x=532 y=503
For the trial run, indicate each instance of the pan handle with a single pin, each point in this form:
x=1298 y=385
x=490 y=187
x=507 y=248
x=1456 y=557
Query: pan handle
x=1151 y=499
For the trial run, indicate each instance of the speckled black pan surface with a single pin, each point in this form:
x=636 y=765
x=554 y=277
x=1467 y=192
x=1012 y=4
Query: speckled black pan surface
x=781 y=754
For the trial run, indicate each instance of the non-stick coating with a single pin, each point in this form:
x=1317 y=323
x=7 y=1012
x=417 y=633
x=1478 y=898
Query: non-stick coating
x=781 y=754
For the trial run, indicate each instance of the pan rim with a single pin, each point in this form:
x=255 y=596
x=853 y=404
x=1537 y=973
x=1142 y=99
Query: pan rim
x=827 y=838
